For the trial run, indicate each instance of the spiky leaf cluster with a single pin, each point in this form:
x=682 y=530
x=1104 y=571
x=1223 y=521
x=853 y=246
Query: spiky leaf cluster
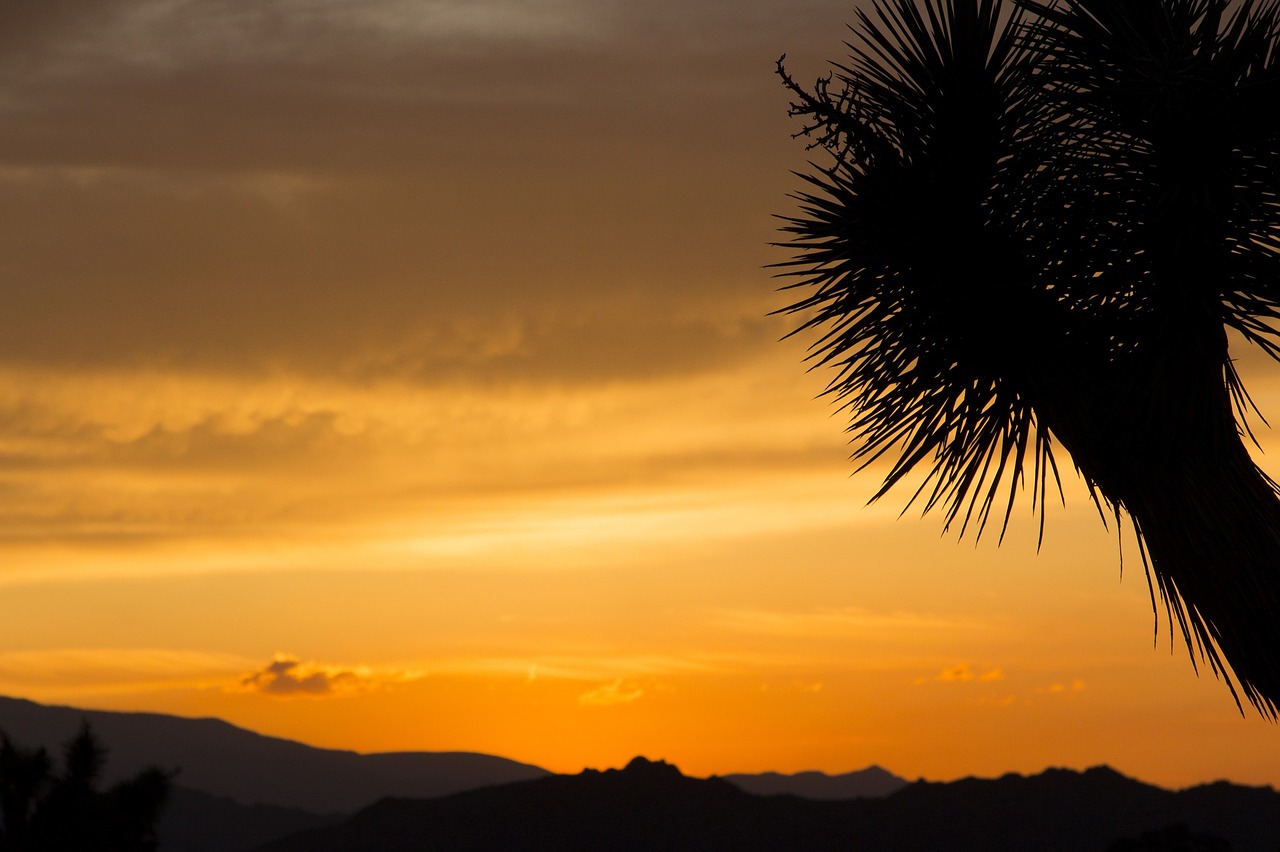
x=908 y=245
x=1008 y=195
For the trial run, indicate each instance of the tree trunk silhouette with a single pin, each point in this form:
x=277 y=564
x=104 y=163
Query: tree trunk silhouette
x=1164 y=448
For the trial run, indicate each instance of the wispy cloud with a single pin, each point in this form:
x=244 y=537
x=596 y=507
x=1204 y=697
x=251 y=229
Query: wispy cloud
x=160 y=35
x=611 y=694
x=558 y=20
x=965 y=673
x=220 y=464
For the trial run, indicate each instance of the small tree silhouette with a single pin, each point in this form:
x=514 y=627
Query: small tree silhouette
x=1037 y=226
x=44 y=811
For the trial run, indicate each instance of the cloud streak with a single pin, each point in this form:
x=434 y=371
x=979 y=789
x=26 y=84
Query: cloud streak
x=152 y=458
x=829 y=622
x=52 y=672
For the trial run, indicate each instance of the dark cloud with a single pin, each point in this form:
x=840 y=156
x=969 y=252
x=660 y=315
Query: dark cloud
x=286 y=677
x=226 y=85
x=354 y=189
x=329 y=276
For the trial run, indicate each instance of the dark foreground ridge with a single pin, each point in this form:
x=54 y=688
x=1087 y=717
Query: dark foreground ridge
x=652 y=806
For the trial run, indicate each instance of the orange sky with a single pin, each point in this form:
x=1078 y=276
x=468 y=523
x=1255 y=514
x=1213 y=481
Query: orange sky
x=397 y=375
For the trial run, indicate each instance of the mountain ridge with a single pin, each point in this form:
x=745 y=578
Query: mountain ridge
x=873 y=781
x=216 y=757
x=651 y=805
x=138 y=739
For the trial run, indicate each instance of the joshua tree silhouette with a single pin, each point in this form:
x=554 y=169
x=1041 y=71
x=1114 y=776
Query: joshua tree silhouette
x=1038 y=224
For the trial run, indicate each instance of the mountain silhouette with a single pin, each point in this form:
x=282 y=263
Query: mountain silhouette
x=218 y=758
x=873 y=782
x=236 y=789
x=652 y=806
x=193 y=821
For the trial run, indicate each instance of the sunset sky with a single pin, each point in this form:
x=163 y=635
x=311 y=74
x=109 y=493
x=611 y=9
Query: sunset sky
x=398 y=375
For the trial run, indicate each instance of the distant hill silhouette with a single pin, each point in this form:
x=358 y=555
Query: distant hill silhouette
x=237 y=789
x=193 y=821
x=220 y=759
x=872 y=782
x=651 y=806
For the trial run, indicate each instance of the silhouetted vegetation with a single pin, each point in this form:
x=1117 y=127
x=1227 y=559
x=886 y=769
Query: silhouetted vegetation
x=1036 y=227
x=43 y=810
